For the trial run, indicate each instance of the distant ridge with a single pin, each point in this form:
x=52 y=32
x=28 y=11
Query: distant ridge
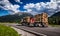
x=14 y=18
x=56 y=14
x=55 y=18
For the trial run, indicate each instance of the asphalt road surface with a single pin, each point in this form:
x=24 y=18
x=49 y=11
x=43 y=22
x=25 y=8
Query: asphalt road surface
x=49 y=31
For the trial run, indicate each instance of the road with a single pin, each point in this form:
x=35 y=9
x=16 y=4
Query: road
x=49 y=31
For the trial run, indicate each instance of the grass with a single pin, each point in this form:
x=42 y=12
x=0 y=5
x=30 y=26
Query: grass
x=6 y=23
x=55 y=25
x=7 y=31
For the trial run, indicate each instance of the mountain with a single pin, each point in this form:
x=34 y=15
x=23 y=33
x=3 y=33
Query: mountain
x=55 y=18
x=14 y=18
x=56 y=14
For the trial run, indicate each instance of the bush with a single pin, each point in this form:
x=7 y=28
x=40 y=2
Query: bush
x=7 y=31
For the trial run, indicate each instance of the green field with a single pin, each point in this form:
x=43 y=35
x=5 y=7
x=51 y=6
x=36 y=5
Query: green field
x=54 y=25
x=7 y=31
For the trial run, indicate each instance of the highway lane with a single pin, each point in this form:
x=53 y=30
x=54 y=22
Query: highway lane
x=49 y=31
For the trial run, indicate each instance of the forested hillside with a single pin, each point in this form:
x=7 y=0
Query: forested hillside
x=14 y=18
x=55 y=18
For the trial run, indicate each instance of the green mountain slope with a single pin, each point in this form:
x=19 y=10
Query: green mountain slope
x=55 y=18
x=14 y=18
x=56 y=14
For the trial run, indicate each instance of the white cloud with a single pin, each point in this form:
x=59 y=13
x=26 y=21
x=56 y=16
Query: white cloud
x=28 y=6
x=37 y=6
x=19 y=1
x=40 y=7
x=8 y=6
x=54 y=0
x=51 y=6
x=29 y=10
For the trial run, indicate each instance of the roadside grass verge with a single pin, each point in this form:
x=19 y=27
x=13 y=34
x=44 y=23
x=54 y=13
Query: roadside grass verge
x=55 y=25
x=7 y=31
x=8 y=23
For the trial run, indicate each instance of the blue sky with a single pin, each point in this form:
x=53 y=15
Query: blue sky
x=29 y=6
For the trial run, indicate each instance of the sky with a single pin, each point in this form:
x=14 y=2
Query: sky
x=29 y=6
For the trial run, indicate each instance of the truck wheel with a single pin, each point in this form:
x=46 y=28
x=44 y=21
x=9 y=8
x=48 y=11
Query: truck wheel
x=34 y=24
x=28 y=24
x=22 y=24
x=43 y=25
x=37 y=24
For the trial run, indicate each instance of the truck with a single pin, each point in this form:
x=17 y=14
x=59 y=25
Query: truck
x=37 y=20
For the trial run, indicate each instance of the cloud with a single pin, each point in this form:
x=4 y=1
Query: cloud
x=27 y=6
x=52 y=5
x=48 y=7
x=19 y=1
x=6 y=5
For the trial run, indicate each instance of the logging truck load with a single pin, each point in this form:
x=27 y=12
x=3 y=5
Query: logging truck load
x=37 y=20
